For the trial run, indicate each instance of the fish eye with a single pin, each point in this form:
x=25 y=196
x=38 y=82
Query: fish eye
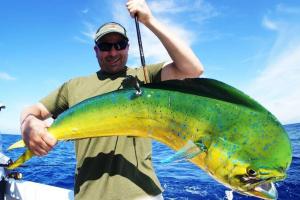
x=251 y=172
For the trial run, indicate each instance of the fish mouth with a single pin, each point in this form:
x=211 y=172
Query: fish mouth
x=265 y=190
x=261 y=188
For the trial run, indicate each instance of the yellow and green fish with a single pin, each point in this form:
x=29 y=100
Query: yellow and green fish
x=215 y=126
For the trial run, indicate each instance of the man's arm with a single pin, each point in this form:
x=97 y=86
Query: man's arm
x=185 y=63
x=34 y=129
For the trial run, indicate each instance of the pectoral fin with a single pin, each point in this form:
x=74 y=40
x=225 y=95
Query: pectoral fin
x=25 y=156
x=190 y=150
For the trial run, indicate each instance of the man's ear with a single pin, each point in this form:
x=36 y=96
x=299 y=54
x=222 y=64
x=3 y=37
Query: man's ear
x=96 y=49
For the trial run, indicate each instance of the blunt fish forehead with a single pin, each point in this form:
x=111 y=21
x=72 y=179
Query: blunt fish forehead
x=266 y=145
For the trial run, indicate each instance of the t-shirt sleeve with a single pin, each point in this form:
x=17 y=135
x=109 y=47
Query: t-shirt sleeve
x=57 y=101
x=154 y=72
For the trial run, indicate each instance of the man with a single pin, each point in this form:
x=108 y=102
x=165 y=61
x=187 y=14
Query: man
x=111 y=167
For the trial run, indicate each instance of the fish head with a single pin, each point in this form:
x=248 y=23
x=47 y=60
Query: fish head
x=251 y=163
x=256 y=181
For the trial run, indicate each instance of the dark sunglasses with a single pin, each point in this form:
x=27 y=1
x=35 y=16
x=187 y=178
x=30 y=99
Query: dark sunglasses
x=105 y=46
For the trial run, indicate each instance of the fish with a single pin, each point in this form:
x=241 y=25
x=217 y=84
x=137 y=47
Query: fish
x=217 y=127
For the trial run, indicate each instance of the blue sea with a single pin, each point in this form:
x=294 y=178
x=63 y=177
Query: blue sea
x=181 y=180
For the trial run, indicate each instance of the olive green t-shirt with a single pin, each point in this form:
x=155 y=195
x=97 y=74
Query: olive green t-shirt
x=111 y=168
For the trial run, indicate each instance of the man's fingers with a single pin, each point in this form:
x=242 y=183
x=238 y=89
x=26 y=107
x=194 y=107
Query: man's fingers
x=140 y=9
x=38 y=151
x=49 y=140
x=36 y=136
x=38 y=147
x=41 y=145
x=132 y=10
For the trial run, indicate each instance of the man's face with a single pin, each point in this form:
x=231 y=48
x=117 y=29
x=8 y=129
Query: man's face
x=112 y=60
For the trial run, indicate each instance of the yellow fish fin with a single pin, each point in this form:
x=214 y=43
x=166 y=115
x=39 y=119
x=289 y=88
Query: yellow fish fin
x=16 y=145
x=25 y=156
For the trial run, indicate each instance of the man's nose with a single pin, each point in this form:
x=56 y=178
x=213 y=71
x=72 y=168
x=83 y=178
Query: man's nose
x=113 y=51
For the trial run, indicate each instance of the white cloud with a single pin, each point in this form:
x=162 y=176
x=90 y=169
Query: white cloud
x=277 y=86
x=269 y=24
x=85 y=11
x=153 y=49
x=87 y=35
x=170 y=12
x=82 y=40
x=165 y=6
x=199 y=9
x=90 y=30
x=6 y=76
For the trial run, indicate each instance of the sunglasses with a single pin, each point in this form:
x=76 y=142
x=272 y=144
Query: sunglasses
x=105 y=46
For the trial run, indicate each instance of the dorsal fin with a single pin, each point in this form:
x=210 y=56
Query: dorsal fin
x=209 y=88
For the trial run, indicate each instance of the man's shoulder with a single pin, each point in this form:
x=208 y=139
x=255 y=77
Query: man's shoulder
x=152 y=72
x=152 y=69
x=80 y=79
x=152 y=65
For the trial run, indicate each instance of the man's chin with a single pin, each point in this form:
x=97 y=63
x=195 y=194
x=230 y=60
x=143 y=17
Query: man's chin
x=113 y=69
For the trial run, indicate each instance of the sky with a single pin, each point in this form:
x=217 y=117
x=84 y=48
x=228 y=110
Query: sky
x=251 y=45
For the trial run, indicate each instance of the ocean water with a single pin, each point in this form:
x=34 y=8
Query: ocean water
x=181 y=180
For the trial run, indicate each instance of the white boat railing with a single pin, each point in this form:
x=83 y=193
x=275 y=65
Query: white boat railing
x=13 y=189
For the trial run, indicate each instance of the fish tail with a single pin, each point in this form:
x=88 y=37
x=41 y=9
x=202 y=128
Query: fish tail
x=16 y=145
x=25 y=156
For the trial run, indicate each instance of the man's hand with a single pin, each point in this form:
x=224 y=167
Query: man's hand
x=184 y=64
x=36 y=136
x=140 y=9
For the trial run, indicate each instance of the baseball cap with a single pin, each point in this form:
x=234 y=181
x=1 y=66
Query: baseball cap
x=110 y=27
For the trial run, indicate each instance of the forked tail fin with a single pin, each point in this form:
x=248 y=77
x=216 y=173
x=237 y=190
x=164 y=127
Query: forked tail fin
x=25 y=156
x=16 y=145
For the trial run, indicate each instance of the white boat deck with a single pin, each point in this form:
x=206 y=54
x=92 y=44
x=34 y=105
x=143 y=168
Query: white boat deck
x=27 y=190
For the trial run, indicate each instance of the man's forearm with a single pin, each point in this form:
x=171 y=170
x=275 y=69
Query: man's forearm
x=36 y=110
x=183 y=57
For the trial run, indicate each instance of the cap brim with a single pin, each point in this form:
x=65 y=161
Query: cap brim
x=108 y=32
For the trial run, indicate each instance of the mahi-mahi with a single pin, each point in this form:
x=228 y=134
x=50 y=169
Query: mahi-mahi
x=215 y=126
